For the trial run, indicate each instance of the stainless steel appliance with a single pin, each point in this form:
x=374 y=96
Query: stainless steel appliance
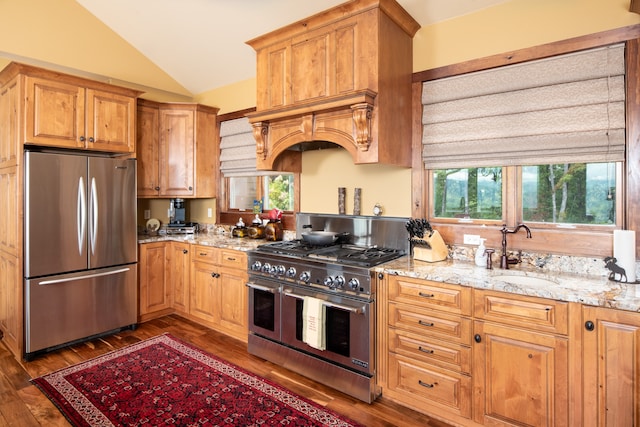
x=282 y=274
x=80 y=262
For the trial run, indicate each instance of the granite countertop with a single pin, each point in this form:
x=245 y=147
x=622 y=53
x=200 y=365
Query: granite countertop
x=590 y=290
x=218 y=240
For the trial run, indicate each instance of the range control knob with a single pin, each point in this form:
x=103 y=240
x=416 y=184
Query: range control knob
x=273 y=270
x=339 y=282
x=354 y=284
x=305 y=276
x=266 y=267
x=256 y=266
x=291 y=272
x=280 y=270
x=328 y=282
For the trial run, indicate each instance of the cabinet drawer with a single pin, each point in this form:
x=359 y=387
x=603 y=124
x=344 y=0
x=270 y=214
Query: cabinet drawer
x=206 y=254
x=431 y=351
x=233 y=259
x=446 y=389
x=430 y=323
x=526 y=312
x=426 y=293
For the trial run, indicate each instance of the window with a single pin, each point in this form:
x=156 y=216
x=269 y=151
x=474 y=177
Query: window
x=274 y=191
x=569 y=193
x=468 y=193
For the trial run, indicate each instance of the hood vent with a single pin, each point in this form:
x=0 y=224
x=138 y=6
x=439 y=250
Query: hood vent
x=342 y=76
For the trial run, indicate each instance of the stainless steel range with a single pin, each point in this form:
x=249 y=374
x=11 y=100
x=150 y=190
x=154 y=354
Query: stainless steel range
x=287 y=279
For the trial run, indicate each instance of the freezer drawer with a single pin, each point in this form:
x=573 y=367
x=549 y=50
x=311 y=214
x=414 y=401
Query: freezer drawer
x=65 y=308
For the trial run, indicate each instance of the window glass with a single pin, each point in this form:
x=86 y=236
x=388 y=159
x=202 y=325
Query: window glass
x=279 y=189
x=576 y=193
x=242 y=192
x=474 y=193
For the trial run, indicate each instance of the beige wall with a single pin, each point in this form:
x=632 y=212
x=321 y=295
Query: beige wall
x=25 y=27
x=509 y=26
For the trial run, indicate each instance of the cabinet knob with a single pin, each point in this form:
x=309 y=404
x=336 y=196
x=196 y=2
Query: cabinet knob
x=91 y=139
x=477 y=338
x=589 y=326
x=380 y=276
x=184 y=251
x=215 y=275
x=190 y=188
x=157 y=188
x=82 y=138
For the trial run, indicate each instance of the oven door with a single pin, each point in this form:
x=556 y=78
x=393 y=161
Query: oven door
x=348 y=328
x=264 y=307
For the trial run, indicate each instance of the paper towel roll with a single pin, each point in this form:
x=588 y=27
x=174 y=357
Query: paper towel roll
x=624 y=251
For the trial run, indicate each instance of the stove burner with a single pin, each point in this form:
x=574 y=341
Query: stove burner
x=337 y=253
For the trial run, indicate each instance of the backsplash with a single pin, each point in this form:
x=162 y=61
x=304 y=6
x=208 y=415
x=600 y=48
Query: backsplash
x=549 y=263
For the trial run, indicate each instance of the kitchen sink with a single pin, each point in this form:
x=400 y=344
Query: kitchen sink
x=524 y=280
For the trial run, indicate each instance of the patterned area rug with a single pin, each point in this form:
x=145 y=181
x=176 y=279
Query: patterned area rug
x=164 y=381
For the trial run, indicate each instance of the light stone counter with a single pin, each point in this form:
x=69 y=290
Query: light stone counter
x=218 y=240
x=590 y=290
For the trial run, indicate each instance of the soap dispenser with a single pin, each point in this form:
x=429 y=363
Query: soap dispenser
x=481 y=255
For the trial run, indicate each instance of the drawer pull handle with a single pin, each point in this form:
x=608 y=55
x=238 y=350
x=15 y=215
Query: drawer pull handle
x=425 y=350
x=422 y=294
x=203 y=254
x=231 y=259
x=423 y=323
x=427 y=385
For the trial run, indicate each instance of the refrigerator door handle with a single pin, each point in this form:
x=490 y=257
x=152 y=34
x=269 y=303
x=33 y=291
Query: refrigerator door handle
x=94 y=215
x=81 y=215
x=88 y=276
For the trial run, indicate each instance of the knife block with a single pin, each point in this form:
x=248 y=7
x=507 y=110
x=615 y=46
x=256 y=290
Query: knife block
x=430 y=249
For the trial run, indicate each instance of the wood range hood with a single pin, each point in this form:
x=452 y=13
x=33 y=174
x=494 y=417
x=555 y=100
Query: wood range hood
x=340 y=77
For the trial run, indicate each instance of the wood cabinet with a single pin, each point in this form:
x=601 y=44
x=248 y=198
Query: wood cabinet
x=429 y=340
x=611 y=367
x=180 y=275
x=342 y=76
x=218 y=294
x=178 y=148
x=154 y=280
x=520 y=363
x=10 y=146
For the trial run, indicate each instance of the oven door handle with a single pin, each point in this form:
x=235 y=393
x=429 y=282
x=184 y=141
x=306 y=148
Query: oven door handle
x=355 y=310
x=261 y=288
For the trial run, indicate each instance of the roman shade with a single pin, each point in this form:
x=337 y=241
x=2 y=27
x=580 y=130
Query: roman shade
x=238 y=149
x=564 y=109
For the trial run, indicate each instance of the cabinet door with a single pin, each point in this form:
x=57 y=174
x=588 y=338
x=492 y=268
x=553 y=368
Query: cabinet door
x=176 y=152
x=54 y=113
x=148 y=151
x=520 y=377
x=155 y=286
x=10 y=211
x=9 y=136
x=110 y=122
x=11 y=302
x=202 y=295
x=611 y=363
x=233 y=302
x=180 y=267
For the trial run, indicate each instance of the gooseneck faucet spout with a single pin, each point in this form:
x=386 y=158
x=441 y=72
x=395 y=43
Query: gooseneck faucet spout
x=504 y=258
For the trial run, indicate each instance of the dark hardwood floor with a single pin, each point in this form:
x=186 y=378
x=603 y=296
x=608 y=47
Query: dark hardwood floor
x=22 y=404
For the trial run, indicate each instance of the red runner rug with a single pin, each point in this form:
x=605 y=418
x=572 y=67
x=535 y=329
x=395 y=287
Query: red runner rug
x=164 y=381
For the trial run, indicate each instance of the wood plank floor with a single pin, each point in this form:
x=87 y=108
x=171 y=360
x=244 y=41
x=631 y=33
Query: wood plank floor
x=22 y=404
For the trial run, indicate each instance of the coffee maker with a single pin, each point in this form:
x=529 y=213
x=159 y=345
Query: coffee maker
x=177 y=210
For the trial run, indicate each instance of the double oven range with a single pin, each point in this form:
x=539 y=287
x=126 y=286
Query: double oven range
x=284 y=275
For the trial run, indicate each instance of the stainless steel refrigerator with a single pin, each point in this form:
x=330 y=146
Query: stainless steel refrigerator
x=80 y=261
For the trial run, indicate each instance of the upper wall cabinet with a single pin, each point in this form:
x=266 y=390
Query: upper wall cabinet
x=177 y=150
x=342 y=76
x=71 y=112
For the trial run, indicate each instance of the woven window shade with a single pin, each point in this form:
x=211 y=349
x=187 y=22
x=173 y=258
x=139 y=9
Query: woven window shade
x=565 y=109
x=237 y=148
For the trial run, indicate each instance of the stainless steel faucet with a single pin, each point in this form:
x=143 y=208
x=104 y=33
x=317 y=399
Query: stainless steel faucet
x=504 y=259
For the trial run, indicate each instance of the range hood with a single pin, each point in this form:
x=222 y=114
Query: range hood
x=339 y=78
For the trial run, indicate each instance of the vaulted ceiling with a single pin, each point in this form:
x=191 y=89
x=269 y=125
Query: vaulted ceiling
x=201 y=43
